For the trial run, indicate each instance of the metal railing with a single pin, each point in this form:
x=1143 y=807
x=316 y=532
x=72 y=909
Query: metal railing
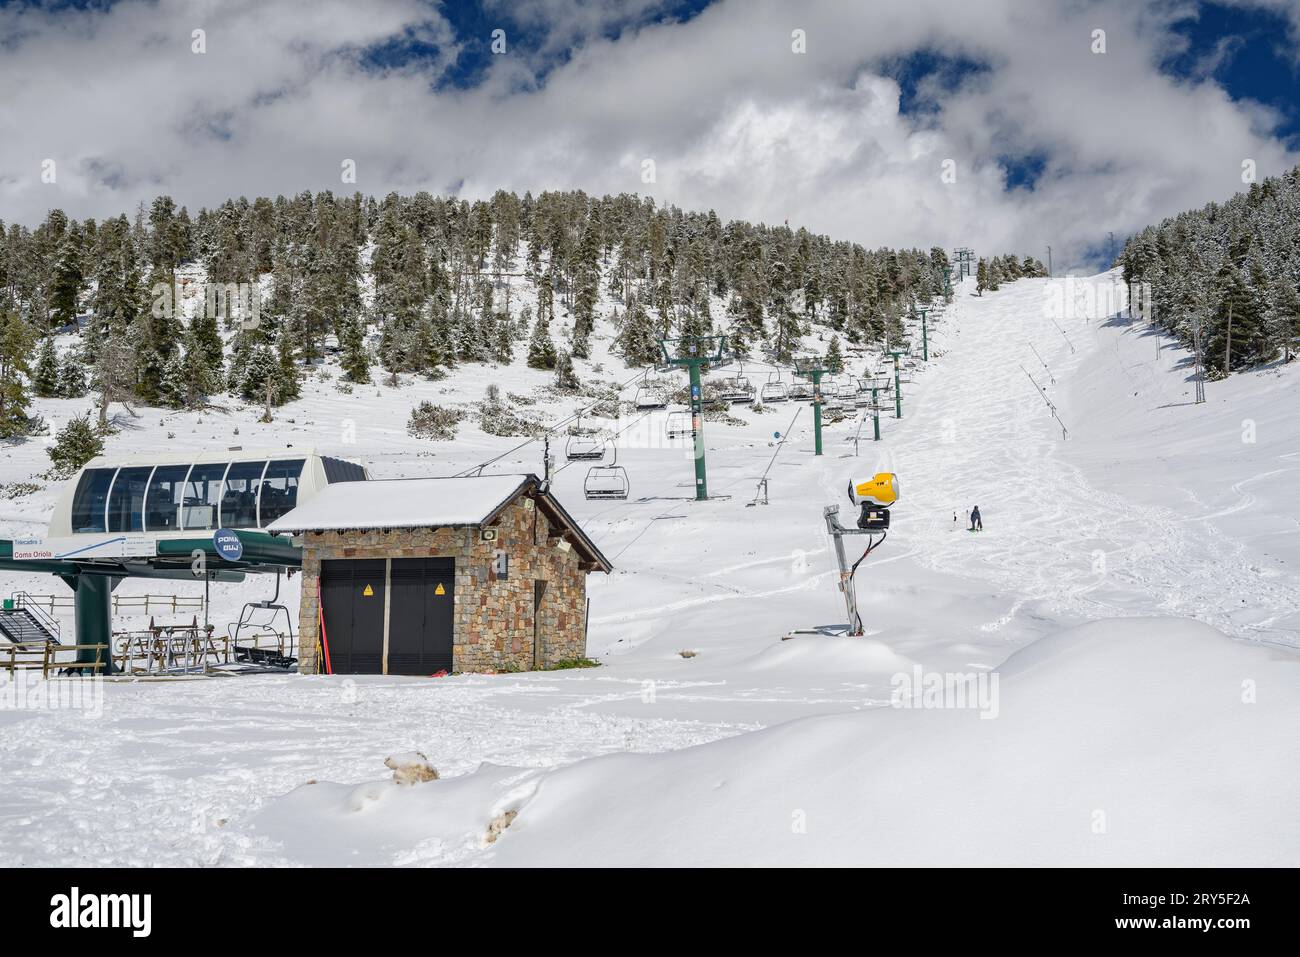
x=143 y=604
x=43 y=618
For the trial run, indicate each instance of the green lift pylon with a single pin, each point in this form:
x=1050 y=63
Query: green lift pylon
x=925 y=336
x=812 y=370
x=898 y=385
x=875 y=411
x=696 y=351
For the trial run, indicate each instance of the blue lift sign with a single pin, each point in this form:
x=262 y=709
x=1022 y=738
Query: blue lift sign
x=228 y=545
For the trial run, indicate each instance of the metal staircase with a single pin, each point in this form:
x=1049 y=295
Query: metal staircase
x=26 y=622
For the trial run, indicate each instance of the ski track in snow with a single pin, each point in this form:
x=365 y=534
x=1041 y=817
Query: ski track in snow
x=191 y=761
x=1050 y=534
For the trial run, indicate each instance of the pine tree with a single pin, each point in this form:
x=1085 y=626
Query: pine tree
x=638 y=340
x=203 y=339
x=173 y=390
x=288 y=384
x=16 y=340
x=355 y=359
x=75 y=444
x=787 y=331
x=1284 y=316
x=154 y=333
x=981 y=277
x=747 y=327
x=587 y=267
x=45 y=379
x=505 y=339
x=69 y=279
x=834 y=357
x=541 y=350
x=566 y=379
x=71 y=378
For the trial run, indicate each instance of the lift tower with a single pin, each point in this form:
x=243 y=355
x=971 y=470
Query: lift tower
x=693 y=353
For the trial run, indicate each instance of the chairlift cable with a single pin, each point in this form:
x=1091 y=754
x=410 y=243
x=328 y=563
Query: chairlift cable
x=478 y=469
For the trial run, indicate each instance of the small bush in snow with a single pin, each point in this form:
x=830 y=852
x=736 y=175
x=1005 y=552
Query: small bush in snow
x=499 y=823
x=411 y=767
x=76 y=444
x=496 y=418
x=18 y=489
x=568 y=664
x=429 y=421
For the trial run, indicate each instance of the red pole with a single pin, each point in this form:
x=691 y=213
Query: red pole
x=324 y=641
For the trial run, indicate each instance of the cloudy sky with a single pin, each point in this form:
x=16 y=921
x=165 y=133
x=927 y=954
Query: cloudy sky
x=841 y=116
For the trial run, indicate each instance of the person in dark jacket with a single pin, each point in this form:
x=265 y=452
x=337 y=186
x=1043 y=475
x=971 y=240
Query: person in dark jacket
x=976 y=523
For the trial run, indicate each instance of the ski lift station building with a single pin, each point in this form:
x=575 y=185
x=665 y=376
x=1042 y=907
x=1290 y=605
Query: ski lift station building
x=400 y=576
x=416 y=576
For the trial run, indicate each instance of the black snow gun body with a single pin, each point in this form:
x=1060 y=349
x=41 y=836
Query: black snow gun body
x=874 y=496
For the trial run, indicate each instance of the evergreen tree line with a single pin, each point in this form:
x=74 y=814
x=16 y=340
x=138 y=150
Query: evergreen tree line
x=1231 y=268
x=991 y=273
x=416 y=284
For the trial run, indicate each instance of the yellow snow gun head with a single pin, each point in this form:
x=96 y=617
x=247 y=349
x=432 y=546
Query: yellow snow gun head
x=880 y=490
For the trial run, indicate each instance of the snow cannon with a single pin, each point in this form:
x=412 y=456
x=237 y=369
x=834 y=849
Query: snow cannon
x=874 y=496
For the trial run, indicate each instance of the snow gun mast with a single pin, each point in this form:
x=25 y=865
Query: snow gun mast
x=874 y=497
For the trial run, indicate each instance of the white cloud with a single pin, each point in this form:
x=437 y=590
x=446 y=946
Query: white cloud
x=733 y=119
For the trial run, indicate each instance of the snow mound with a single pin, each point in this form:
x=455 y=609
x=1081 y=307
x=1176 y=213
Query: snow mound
x=827 y=653
x=1126 y=742
x=380 y=823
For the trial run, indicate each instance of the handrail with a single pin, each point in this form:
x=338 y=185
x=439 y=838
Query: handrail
x=49 y=603
x=46 y=662
x=23 y=600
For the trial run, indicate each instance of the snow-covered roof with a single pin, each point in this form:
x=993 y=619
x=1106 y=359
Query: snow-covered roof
x=428 y=503
x=403 y=503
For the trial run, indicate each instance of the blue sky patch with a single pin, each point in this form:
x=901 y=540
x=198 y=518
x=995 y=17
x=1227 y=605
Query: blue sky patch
x=925 y=75
x=1249 y=52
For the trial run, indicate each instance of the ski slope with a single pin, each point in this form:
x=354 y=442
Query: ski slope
x=1133 y=593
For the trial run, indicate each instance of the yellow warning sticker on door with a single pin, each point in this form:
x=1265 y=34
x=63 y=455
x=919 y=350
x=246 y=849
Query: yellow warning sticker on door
x=440 y=590
x=368 y=591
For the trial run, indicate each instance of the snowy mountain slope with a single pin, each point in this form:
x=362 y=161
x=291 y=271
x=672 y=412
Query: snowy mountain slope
x=725 y=581
x=1114 y=744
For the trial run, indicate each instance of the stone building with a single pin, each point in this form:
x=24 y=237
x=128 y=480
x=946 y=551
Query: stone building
x=418 y=576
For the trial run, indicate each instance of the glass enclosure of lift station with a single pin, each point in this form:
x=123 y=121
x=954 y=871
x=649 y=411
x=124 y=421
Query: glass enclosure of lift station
x=248 y=490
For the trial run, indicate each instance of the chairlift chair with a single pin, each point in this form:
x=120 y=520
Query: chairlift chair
x=651 y=396
x=606 y=481
x=801 y=391
x=774 y=390
x=584 y=448
x=736 y=389
x=283 y=654
x=678 y=425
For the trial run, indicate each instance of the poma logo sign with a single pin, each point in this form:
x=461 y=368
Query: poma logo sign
x=77 y=910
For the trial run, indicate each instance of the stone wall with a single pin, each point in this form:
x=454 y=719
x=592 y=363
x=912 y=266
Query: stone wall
x=493 y=618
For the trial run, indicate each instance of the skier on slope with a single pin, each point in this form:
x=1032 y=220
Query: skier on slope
x=976 y=523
